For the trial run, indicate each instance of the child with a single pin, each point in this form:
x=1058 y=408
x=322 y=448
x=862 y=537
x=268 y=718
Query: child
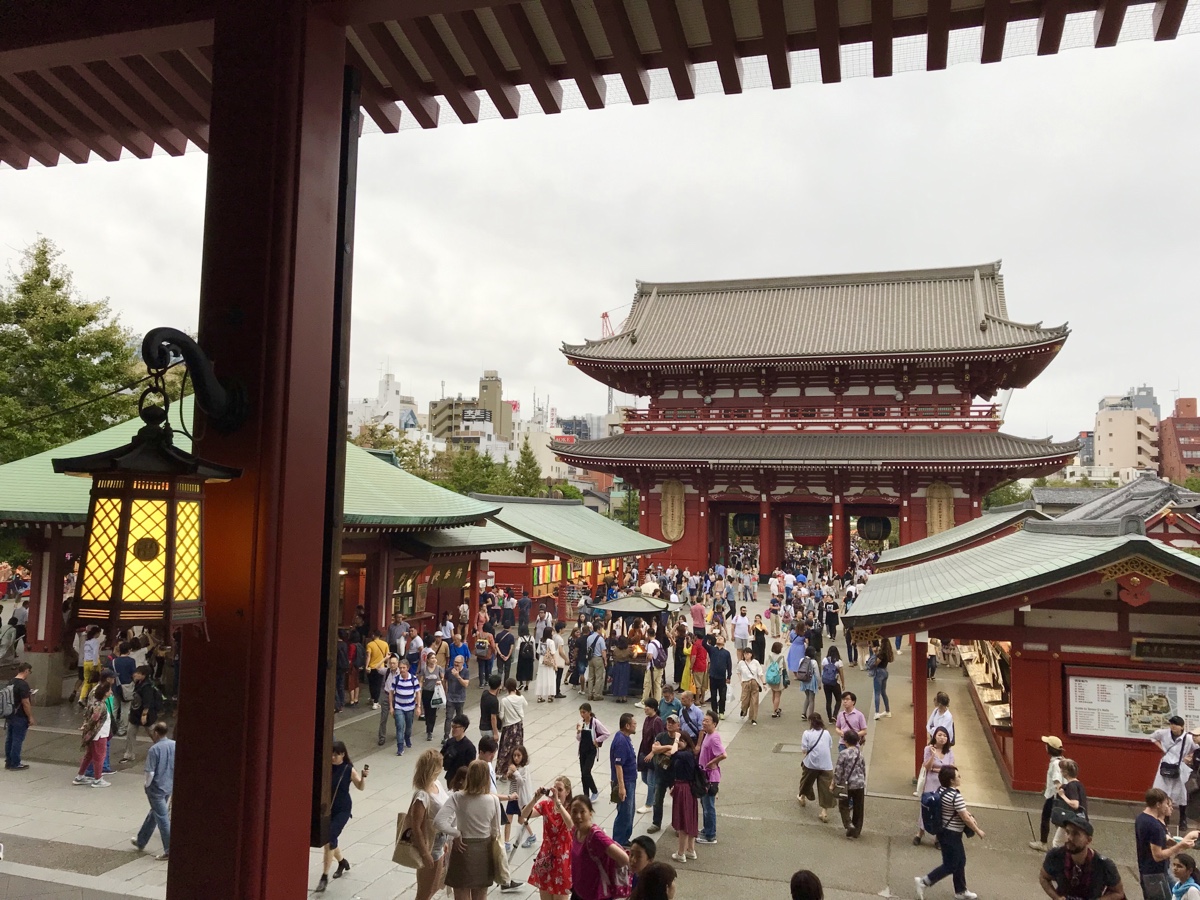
x=521 y=796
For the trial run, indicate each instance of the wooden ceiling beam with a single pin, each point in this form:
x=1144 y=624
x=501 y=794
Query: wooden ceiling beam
x=154 y=90
x=614 y=19
x=1050 y=26
x=774 y=30
x=101 y=78
x=383 y=112
x=1109 y=19
x=468 y=31
x=665 y=16
x=1168 y=16
x=568 y=31
x=514 y=23
x=406 y=84
x=995 y=29
x=938 y=28
x=724 y=44
x=425 y=40
x=30 y=116
x=61 y=111
x=882 y=35
x=22 y=148
x=68 y=82
x=12 y=154
x=185 y=79
x=829 y=46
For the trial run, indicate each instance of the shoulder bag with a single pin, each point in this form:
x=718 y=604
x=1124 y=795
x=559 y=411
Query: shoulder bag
x=1171 y=769
x=405 y=853
x=615 y=881
x=499 y=858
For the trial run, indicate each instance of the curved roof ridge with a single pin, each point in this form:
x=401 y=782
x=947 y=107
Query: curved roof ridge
x=947 y=273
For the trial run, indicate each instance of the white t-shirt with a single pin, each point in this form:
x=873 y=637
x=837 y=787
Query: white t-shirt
x=789 y=580
x=741 y=627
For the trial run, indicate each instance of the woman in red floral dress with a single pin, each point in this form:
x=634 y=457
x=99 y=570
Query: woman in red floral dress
x=551 y=873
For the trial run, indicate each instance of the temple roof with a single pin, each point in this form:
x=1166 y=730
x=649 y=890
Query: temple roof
x=1142 y=497
x=985 y=449
x=909 y=313
x=569 y=527
x=953 y=539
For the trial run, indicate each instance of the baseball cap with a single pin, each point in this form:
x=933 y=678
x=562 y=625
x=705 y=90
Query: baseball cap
x=1052 y=741
x=672 y=718
x=1079 y=819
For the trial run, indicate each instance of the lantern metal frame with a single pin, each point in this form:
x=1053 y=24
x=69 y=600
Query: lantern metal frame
x=143 y=558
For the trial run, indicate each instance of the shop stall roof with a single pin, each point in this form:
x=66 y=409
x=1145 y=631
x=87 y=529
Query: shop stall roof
x=952 y=539
x=634 y=604
x=1042 y=554
x=378 y=496
x=468 y=539
x=570 y=528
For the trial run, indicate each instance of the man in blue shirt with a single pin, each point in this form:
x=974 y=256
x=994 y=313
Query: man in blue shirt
x=669 y=704
x=623 y=765
x=160 y=784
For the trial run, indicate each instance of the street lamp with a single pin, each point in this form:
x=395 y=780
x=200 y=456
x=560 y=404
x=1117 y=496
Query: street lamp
x=142 y=558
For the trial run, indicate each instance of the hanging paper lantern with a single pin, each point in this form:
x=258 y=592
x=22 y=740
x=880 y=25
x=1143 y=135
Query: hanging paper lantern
x=745 y=525
x=810 y=529
x=874 y=528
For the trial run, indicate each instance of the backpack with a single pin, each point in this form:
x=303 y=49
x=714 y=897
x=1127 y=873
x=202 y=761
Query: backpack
x=699 y=783
x=805 y=672
x=829 y=672
x=660 y=656
x=8 y=704
x=931 y=811
x=774 y=673
x=525 y=654
x=343 y=656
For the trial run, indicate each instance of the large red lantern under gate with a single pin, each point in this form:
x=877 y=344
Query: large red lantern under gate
x=874 y=528
x=745 y=525
x=810 y=529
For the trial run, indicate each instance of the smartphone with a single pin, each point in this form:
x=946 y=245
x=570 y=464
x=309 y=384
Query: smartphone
x=366 y=769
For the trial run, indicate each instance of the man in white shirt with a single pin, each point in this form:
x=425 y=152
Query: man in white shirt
x=747 y=587
x=741 y=630
x=789 y=584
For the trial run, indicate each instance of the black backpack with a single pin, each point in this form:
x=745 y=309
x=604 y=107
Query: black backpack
x=526 y=651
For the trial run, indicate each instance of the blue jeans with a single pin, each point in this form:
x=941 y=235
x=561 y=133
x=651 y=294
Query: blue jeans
x=90 y=773
x=851 y=649
x=485 y=669
x=339 y=697
x=18 y=726
x=157 y=816
x=649 y=777
x=708 y=808
x=623 y=826
x=404 y=726
x=880 y=680
x=954 y=861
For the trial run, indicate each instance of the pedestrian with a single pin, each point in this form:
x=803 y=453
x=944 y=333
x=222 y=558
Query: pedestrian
x=596 y=656
x=1075 y=871
x=489 y=709
x=551 y=872
x=458 y=752
x=1072 y=796
x=877 y=667
x=712 y=754
x=428 y=843
x=679 y=658
x=97 y=727
x=642 y=851
x=623 y=774
x=506 y=648
x=590 y=733
x=833 y=681
x=342 y=671
x=512 y=724
x=160 y=784
x=773 y=677
x=938 y=754
x=831 y=609
x=850 y=781
x=621 y=658
x=699 y=666
x=652 y=725
x=955 y=818
x=720 y=670
x=458 y=679
x=520 y=795
x=1176 y=744
x=471 y=817
x=485 y=652
x=403 y=690
x=123 y=665
x=599 y=865
x=433 y=682
x=660 y=752
x=850 y=718
x=1183 y=870
x=691 y=717
x=684 y=812
x=91 y=662
x=669 y=703
x=817 y=767
x=526 y=658
x=143 y=710
x=376 y=654
x=343 y=775
x=941 y=717
x=805 y=885
x=698 y=612
x=655 y=882
x=561 y=659
x=750 y=674
x=1054 y=779
x=19 y=721
x=656 y=667
x=1155 y=848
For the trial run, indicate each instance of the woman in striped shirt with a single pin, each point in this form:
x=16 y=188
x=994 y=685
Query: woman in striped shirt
x=955 y=819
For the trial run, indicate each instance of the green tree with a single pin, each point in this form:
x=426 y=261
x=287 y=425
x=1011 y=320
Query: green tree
x=1006 y=494
x=58 y=350
x=1192 y=483
x=569 y=491
x=377 y=436
x=527 y=477
x=503 y=480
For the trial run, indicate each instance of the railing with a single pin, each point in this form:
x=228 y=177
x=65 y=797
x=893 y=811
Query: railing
x=919 y=415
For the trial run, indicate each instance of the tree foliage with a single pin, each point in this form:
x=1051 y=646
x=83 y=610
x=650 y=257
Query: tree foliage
x=527 y=477
x=1005 y=495
x=58 y=350
x=1192 y=483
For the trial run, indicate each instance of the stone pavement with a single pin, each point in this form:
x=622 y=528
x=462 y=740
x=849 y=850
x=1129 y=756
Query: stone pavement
x=71 y=843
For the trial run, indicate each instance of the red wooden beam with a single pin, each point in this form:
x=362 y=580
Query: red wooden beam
x=186 y=79
x=828 y=43
x=406 y=84
x=145 y=80
x=60 y=110
x=17 y=150
x=108 y=84
x=774 y=29
x=30 y=117
x=1109 y=18
x=724 y=43
x=96 y=109
x=614 y=19
x=676 y=55
x=424 y=37
x=995 y=27
x=1168 y=16
x=564 y=22
x=383 y=112
x=938 y=30
x=881 y=38
x=514 y=23
x=490 y=71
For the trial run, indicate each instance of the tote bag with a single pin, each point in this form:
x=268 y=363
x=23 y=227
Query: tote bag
x=405 y=853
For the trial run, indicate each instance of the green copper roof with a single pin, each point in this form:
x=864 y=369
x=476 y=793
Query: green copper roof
x=952 y=538
x=377 y=494
x=569 y=527
x=472 y=538
x=1006 y=567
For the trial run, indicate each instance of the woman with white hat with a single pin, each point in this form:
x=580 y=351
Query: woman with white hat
x=1054 y=781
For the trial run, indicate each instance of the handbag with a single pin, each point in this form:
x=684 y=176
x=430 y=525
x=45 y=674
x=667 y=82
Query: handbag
x=127 y=692
x=405 y=853
x=1060 y=811
x=614 y=794
x=496 y=854
x=615 y=881
x=439 y=697
x=1156 y=887
x=1171 y=769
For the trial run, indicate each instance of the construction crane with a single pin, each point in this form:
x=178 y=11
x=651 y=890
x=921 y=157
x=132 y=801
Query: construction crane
x=606 y=331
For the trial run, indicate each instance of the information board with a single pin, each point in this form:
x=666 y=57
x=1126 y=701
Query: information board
x=1128 y=707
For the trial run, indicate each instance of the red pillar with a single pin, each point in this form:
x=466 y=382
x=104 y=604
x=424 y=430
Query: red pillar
x=841 y=536
x=704 y=544
x=266 y=317
x=768 y=558
x=473 y=599
x=920 y=691
x=905 y=511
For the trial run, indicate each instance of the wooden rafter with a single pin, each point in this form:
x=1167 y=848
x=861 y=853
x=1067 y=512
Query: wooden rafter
x=1109 y=19
x=444 y=71
x=1168 y=16
x=406 y=84
x=774 y=30
x=469 y=33
x=881 y=38
x=829 y=46
x=157 y=94
x=30 y=117
x=19 y=158
x=938 y=25
x=676 y=55
x=514 y=23
x=724 y=44
x=372 y=98
x=107 y=83
x=614 y=19
x=186 y=80
x=79 y=93
x=568 y=31
x=1050 y=26
x=995 y=28
x=60 y=111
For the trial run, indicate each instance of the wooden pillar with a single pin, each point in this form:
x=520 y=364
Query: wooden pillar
x=473 y=599
x=768 y=558
x=704 y=544
x=43 y=630
x=919 y=644
x=841 y=536
x=905 y=511
x=376 y=590
x=267 y=317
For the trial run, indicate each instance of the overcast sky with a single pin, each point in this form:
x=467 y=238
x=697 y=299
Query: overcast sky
x=486 y=246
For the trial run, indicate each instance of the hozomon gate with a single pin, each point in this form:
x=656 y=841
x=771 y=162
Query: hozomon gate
x=824 y=398
x=259 y=85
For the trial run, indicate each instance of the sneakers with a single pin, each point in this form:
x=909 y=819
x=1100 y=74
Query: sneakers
x=530 y=841
x=163 y=857
x=921 y=884
x=595 y=796
x=645 y=809
x=966 y=895
x=888 y=714
x=82 y=779
x=133 y=840
x=653 y=829
x=703 y=840
x=678 y=858
x=691 y=854
x=878 y=716
x=100 y=783
x=510 y=887
x=1037 y=845
x=507 y=848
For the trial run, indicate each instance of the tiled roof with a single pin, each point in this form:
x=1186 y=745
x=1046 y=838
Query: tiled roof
x=376 y=493
x=926 y=310
x=1067 y=496
x=818 y=448
x=488 y=536
x=1008 y=566
x=1142 y=497
x=569 y=527
x=952 y=538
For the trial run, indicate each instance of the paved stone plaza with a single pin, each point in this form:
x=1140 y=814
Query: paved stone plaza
x=72 y=843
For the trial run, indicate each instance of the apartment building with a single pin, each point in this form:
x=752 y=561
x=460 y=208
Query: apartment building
x=1179 y=442
x=1126 y=431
